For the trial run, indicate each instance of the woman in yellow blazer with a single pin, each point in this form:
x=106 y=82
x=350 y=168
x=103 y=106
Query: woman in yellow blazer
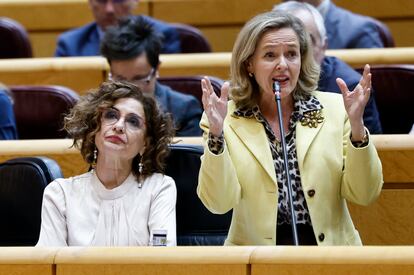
x=330 y=156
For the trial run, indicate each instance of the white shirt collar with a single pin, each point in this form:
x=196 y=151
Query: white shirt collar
x=323 y=7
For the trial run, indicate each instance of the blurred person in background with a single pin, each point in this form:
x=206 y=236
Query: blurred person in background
x=331 y=66
x=85 y=40
x=8 y=128
x=132 y=49
x=345 y=29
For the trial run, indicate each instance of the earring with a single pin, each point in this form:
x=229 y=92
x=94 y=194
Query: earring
x=250 y=74
x=95 y=157
x=140 y=167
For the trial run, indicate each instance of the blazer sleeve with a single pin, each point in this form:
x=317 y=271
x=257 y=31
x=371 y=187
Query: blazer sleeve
x=362 y=174
x=218 y=186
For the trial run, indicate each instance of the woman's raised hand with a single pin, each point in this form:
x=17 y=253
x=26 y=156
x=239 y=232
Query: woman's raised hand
x=215 y=107
x=356 y=100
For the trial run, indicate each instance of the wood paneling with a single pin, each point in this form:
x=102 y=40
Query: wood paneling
x=27 y=261
x=220 y=19
x=388 y=221
x=332 y=260
x=77 y=73
x=153 y=260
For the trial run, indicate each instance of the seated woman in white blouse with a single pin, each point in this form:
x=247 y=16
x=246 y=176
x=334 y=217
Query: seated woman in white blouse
x=125 y=198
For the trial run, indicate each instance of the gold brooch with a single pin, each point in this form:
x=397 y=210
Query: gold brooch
x=312 y=118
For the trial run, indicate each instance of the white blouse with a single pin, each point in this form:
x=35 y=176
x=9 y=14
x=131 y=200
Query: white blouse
x=80 y=211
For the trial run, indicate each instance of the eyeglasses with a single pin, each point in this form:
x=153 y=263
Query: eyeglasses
x=115 y=2
x=112 y=115
x=139 y=80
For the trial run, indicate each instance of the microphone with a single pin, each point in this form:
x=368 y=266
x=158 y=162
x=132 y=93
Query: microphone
x=276 y=90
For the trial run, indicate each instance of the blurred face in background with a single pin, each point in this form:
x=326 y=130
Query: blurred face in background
x=107 y=12
x=318 y=45
x=137 y=71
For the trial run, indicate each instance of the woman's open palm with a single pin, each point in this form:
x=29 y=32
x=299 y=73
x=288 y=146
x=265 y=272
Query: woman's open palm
x=356 y=100
x=215 y=107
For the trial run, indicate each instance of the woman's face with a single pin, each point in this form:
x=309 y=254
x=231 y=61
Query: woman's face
x=277 y=57
x=123 y=130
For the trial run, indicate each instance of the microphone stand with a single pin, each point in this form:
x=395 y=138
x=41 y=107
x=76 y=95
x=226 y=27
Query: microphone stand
x=276 y=90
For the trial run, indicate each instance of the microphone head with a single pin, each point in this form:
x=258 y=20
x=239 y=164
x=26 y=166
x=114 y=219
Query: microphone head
x=276 y=86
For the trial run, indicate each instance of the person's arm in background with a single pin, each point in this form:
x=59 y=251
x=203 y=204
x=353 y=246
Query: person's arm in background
x=8 y=128
x=191 y=115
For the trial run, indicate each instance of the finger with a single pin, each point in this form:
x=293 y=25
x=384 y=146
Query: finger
x=204 y=97
x=365 y=80
x=208 y=85
x=367 y=69
x=224 y=95
x=368 y=93
x=206 y=94
x=342 y=86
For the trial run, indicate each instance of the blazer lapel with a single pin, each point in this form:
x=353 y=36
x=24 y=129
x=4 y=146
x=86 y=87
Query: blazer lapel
x=253 y=136
x=305 y=136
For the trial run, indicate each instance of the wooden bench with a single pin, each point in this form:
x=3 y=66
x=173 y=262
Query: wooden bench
x=27 y=260
x=244 y=260
x=332 y=260
x=84 y=73
x=154 y=260
x=219 y=20
x=388 y=221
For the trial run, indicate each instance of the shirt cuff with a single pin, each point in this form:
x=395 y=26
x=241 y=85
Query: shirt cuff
x=215 y=144
x=360 y=144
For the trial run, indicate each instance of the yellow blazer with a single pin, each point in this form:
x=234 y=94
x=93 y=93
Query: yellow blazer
x=243 y=177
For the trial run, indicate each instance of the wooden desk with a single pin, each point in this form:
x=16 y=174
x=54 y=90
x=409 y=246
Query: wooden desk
x=77 y=73
x=84 y=73
x=27 y=260
x=154 y=260
x=332 y=260
x=219 y=20
x=45 y=20
x=388 y=221
x=69 y=159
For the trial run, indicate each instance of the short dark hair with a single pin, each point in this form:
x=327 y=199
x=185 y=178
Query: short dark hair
x=133 y=36
x=84 y=121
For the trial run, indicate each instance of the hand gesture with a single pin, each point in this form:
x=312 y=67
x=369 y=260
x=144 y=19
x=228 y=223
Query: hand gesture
x=215 y=107
x=356 y=100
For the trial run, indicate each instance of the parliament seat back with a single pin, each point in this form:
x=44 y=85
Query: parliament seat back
x=39 y=110
x=196 y=225
x=15 y=42
x=22 y=182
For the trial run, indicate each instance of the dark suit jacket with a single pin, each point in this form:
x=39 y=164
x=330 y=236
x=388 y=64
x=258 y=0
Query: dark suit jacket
x=84 y=41
x=185 y=109
x=332 y=68
x=347 y=30
x=7 y=121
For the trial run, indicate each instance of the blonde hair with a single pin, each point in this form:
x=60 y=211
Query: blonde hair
x=245 y=90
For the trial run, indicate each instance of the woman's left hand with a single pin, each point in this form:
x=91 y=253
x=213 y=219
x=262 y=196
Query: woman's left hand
x=355 y=102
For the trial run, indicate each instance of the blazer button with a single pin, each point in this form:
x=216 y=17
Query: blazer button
x=321 y=237
x=311 y=193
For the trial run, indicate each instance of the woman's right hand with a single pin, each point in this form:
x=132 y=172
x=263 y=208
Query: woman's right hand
x=215 y=107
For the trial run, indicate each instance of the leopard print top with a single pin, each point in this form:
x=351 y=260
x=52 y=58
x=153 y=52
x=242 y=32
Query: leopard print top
x=216 y=146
